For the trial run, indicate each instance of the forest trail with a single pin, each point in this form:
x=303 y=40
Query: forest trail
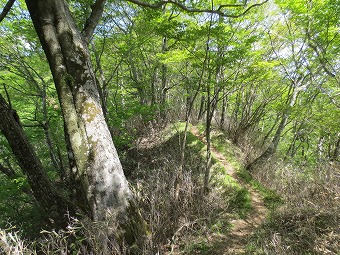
x=235 y=241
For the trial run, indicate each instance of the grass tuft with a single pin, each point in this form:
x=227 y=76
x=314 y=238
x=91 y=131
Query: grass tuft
x=271 y=199
x=297 y=231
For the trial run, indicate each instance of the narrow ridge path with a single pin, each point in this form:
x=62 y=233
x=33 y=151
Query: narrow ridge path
x=234 y=243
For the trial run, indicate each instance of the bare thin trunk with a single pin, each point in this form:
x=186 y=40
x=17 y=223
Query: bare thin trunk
x=164 y=85
x=276 y=139
x=336 y=149
x=207 y=135
x=179 y=172
x=224 y=109
x=202 y=108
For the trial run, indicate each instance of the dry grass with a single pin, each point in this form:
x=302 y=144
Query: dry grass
x=11 y=243
x=308 y=222
x=172 y=222
x=175 y=225
x=80 y=237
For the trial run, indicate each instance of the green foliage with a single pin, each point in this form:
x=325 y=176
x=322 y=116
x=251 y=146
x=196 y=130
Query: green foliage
x=236 y=196
x=271 y=199
x=203 y=248
x=19 y=210
x=80 y=11
x=128 y=123
x=240 y=202
x=224 y=146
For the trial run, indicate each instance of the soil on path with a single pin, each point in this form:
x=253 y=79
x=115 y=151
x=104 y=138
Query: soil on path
x=235 y=241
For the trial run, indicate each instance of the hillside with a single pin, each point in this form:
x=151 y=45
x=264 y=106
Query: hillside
x=237 y=216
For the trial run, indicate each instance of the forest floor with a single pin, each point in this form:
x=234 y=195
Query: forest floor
x=235 y=241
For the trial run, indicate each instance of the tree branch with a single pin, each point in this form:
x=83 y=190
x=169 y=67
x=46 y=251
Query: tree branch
x=322 y=60
x=6 y=9
x=7 y=171
x=219 y=11
x=93 y=20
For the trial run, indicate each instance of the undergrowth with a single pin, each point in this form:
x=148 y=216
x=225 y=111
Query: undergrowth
x=271 y=198
x=295 y=231
x=240 y=197
x=236 y=196
x=187 y=224
x=303 y=202
x=308 y=221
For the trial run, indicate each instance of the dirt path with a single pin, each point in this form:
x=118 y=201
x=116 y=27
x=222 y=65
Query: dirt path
x=235 y=241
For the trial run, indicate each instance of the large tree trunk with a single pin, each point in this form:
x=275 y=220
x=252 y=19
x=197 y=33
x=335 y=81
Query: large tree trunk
x=96 y=163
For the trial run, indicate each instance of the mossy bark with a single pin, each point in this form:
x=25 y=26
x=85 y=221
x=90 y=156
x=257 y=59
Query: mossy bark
x=96 y=166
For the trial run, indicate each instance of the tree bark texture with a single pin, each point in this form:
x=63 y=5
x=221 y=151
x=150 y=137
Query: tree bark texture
x=97 y=166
